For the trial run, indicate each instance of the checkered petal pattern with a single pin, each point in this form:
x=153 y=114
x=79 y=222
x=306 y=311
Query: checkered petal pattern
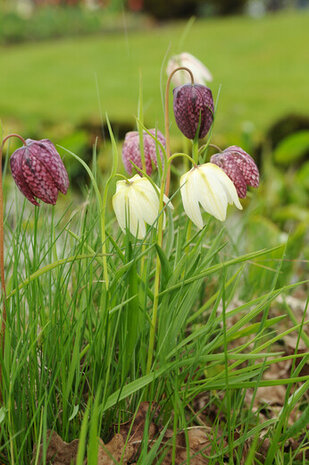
x=39 y=172
x=192 y=102
x=131 y=150
x=240 y=168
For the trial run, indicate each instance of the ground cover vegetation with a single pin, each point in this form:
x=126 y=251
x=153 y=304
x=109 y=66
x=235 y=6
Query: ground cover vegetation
x=179 y=345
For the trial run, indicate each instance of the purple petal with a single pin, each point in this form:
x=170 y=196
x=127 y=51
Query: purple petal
x=17 y=173
x=131 y=150
x=191 y=101
x=245 y=164
x=47 y=154
x=38 y=178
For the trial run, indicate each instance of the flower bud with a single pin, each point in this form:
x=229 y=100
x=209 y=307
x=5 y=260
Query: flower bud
x=131 y=150
x=39 y=172
x=240 y=168
x=193 y=103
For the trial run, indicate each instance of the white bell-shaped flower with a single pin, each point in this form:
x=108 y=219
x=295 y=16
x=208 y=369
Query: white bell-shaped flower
x=207 y=185
x=135 y=203
x=201 y=74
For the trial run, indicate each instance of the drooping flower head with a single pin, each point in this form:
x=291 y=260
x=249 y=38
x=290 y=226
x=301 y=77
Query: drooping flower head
x=131 y=150
x=207 y=185
x=201 y=74
x=240 y=168
x=39 y=172
x=193 y=104
x=135 y=203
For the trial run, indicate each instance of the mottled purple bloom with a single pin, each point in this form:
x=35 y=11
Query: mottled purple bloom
x=131 y=150
x=39 y=171
x=192 y=102
x=240 y=168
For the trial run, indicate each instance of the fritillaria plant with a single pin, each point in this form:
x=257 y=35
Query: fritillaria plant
x=40 y=174
x=213 y=185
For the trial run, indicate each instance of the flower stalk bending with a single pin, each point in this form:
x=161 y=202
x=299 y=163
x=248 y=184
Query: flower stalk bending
x=167 y=121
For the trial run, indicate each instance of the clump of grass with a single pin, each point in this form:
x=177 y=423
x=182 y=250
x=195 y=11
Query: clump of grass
x=71 y=339
x=99 y=321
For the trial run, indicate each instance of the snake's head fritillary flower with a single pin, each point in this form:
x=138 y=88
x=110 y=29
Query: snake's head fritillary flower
x=240 y=168
x=39 y=172
x=193 y=104
x=201 y=74
x=136 y=203
x=207 y=185
x=131 y=150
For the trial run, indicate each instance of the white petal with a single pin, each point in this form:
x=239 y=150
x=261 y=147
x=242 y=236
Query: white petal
x=136 y=202
x=145 y=202
x=189 y=197
x=199 y=70
x=212 y=197
x=228 y=186
x=167 y=201
x=135 y=222
x=124 y=209
x=201 y=74
x=120 y=205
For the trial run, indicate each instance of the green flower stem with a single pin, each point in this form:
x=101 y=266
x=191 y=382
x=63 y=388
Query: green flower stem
x=167 y=121
x=195 y=152
x=184 y=155
x=188 y=236
x=214 y=146
x=158 y=263
x=103 y=220
x=3 y=322
x=165 y=185
x=103 y=236
x=102 y=201
x=2 y=274
x=195 y=157
x=140 y=123
x=157 y=275
x=185 y=145
x=102 y=205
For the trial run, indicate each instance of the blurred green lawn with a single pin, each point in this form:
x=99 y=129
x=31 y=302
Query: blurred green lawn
x=262 y=65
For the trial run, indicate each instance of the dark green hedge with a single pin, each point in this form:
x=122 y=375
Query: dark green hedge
x=163 y=9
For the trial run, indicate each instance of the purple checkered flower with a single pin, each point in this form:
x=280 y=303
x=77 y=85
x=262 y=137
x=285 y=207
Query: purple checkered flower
x=131 y=150
x=192 y=102
x=240 y=168
x=39 y=172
